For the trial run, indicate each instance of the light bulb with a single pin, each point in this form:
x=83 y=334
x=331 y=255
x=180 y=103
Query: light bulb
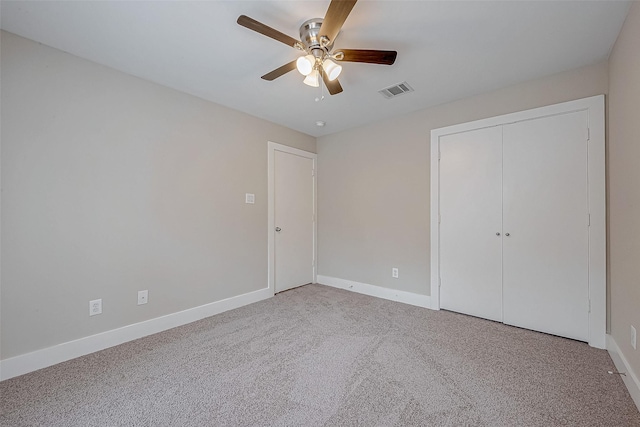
x=305 y=64
x=332 y=69
x=312 y=79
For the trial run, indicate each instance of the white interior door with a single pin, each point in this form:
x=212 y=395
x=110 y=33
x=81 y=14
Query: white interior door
x=546 y=246
x=471 y=222
x=294 y=209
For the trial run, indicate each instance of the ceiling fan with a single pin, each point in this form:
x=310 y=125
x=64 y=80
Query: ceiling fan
x=317 y=36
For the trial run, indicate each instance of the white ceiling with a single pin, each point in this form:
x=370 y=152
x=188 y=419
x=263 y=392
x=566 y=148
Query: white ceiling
x=447 y=50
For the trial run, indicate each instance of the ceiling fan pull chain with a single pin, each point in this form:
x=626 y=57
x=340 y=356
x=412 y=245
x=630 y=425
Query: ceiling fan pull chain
x=320 y=85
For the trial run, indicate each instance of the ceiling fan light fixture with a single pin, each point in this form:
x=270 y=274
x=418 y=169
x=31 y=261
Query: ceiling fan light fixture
x=313 y=79
x=332 y=69
x=305 y=64
x=317 y=36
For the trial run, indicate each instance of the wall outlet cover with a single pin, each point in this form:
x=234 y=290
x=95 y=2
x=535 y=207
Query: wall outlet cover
x=394 y=273
x=249 y=198
x=95 y=307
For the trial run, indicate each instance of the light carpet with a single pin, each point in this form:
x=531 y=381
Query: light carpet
x=316 y=356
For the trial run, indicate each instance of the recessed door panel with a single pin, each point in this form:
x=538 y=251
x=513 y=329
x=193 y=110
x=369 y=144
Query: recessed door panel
x=471 y=223
x=546 y=247
x=293 y=197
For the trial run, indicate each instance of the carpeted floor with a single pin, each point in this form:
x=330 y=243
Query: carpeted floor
x=322 y=356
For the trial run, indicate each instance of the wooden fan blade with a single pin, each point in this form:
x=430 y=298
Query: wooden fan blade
x=335 y=17
x=280 y=71
x=263 y=29
x=334 y=87
x=384 y=57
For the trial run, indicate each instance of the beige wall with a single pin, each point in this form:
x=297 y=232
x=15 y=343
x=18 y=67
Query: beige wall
x=624 y=185
x=373 y=181
x=111 y=185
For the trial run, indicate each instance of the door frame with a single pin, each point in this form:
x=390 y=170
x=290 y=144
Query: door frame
x=272 y=147
x=594 y=106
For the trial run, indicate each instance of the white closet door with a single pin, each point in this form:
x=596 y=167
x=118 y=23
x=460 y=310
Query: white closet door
x=294 y=220
x=545 y=278
x=471 y=217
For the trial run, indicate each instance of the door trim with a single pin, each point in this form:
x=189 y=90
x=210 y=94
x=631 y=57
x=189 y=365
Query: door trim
x=596 y=194
x=272 y=147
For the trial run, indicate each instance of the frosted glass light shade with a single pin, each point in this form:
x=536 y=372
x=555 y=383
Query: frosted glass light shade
x=313 y=79
x=332 y=69
x=305 y=64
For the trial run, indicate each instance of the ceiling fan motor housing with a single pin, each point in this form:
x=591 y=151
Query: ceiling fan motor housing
x=309 y=31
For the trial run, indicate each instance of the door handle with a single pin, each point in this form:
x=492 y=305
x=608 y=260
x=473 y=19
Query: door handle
x=507 y=234
x=498 y=233
x=278 y=229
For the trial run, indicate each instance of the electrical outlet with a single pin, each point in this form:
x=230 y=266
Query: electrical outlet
x=95 y=307
x=249 y=198
x=633 y=337
x=394 y=273
x=143 y=297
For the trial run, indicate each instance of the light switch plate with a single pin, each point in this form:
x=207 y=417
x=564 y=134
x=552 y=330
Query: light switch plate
x=250 y=198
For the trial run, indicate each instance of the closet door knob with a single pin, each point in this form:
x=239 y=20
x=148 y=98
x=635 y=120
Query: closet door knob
x=498 y=233
x=278 y=229
x=507 y=234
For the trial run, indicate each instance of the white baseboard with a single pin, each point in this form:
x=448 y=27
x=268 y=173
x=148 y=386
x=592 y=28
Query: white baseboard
x=622 y=365
x=39 y=359
x=376 y=291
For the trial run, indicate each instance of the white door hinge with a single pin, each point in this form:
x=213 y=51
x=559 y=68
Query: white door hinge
x=439 y=155
x=589 y=305
x=439 y=282
x=439 y=218
x=588 y=134
x=313 y=172
x=588 y=220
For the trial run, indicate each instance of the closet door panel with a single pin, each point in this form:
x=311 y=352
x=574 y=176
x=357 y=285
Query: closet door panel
x=470 y=211
x=545 y=276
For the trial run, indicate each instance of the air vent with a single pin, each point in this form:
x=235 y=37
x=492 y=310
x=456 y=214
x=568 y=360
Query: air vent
x=396 y=90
